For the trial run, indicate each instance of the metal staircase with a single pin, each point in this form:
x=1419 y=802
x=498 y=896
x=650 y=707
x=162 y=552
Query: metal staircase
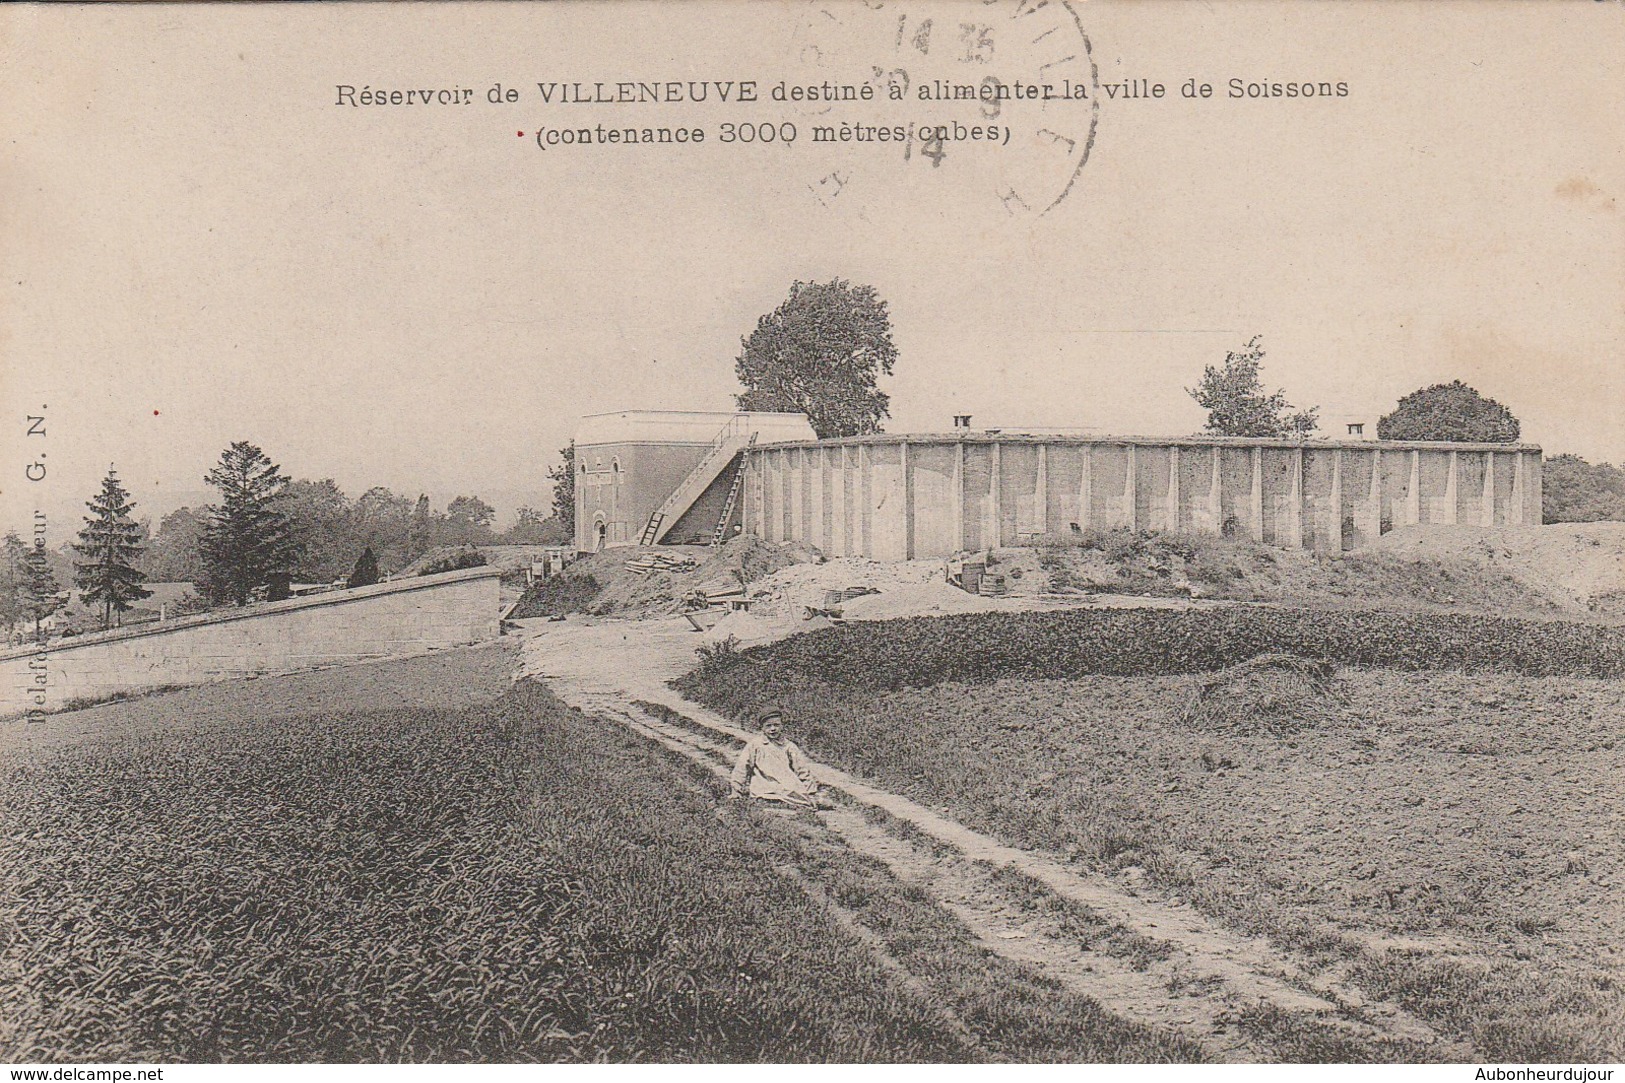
x=734 y=437
x=720 y=534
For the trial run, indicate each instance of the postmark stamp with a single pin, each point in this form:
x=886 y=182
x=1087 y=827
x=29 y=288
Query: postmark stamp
x=1000 y=101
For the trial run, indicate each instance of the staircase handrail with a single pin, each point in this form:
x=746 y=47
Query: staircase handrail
x=728 y=432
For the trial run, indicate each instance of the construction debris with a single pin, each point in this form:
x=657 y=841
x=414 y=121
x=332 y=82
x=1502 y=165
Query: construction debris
x=833 y=598
x=661 y=562
x=968 y=572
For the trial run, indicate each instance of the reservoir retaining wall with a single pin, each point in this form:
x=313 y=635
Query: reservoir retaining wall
x=906 y=497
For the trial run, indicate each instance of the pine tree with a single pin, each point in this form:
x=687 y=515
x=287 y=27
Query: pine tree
x=365 y=573
x=420 y=535
x=110 y=545
x=39 y=590
x=248 y=540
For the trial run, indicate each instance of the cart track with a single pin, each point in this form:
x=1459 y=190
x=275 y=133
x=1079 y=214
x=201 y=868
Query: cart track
x=1143 y=957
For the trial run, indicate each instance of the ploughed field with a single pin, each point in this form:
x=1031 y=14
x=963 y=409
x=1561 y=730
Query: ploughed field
x=1450 y=837
x=418 y=860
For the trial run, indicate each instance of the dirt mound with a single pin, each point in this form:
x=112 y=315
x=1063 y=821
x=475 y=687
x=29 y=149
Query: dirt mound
x=744 y=628
x=1236 y=569
x=790 y=591
x=603 y=585
x=1274 y=694
x=1580 y=566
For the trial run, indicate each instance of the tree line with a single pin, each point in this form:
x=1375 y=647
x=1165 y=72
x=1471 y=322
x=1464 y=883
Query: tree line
x=332 y=529
x=266 y=531
x=1573 y=490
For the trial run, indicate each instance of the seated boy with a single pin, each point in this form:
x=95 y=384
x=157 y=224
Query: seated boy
x=772 y=768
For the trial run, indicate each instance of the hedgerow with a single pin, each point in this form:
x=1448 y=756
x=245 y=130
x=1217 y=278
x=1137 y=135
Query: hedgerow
x=977 y=647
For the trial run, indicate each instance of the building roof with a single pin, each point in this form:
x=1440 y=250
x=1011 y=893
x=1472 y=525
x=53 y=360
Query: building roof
x=1002 y=437
x=686 y=427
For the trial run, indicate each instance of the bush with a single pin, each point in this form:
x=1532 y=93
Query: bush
x=1214 y=569
x=1276 y=694
x=454 y=562
x=720 y=651
x=1576 y=491
x=1120 y=546
x=1451 y=411
x=189 y=604
x=558 y=596
x=1051 y=558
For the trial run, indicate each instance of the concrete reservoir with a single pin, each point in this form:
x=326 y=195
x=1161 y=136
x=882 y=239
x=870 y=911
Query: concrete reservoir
x=905 y=497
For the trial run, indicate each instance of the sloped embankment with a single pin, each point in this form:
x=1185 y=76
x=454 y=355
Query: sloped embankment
x=1580 y=566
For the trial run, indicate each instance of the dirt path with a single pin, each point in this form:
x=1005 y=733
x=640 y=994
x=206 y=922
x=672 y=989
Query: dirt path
x=1141 y=955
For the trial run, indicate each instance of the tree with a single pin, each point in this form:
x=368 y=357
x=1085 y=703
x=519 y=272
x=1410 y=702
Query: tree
x=1575 y=491
x=12 y=554
x=382 y=520
x=111 y=545
x=174 y=554
x=365 y=572
x=248 y=541
x=468 y=521
x=424 y=530
x=323 y=520
x=820 y=353
x=39 y=592
x=1236 y=405
x=1451 y=411
x=530 y=527
x=564 y=488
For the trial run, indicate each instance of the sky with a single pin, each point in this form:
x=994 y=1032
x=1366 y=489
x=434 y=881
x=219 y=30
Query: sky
x=199 y=245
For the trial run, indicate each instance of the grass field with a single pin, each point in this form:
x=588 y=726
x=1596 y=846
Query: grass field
x=416 y=861
x=1452 y=839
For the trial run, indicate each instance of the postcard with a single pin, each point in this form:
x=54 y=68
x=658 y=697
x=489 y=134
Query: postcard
x=816 y=532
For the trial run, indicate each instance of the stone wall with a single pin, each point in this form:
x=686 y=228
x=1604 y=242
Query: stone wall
x=387 y=619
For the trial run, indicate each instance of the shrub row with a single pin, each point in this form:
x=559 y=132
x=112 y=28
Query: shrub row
x=454 y=561
x=921 y=651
